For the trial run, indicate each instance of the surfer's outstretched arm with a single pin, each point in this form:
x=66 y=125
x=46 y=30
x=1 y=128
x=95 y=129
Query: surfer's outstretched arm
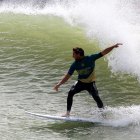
x=107 y=50
x=64 y=79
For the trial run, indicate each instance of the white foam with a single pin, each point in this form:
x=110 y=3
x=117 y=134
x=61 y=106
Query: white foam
x=120 y=116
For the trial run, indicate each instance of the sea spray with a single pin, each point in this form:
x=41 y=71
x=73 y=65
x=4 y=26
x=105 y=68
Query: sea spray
x=120 y=116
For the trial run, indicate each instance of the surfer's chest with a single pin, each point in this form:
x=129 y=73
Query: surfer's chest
x=84 y=64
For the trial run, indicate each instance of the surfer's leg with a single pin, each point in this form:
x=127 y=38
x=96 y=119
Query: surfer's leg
x=94 y=92
x=74 y=89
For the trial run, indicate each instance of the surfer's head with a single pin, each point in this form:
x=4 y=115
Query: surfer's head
x=78 y=53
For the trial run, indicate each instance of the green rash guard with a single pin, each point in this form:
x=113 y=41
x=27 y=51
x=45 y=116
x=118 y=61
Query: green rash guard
x=85 y=68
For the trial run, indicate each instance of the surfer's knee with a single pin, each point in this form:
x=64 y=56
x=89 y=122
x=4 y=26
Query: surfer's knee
x=71 y=94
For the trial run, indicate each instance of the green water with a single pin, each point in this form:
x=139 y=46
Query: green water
x=35 y=52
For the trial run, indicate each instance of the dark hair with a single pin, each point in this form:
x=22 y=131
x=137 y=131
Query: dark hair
x=79 y=51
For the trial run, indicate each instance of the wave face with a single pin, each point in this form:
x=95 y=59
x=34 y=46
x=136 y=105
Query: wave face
x=107 y=21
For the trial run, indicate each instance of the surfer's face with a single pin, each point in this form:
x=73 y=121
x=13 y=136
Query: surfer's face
x=76 y=56
x=78 y=53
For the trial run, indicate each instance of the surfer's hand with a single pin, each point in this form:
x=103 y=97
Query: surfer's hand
x=56 y=87
x=117 y=45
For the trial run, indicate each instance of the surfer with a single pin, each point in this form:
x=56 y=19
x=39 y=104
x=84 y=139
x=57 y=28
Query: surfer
x=85 y=66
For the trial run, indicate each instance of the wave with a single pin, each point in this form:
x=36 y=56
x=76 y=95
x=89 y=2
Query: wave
x=108 y=21
x=119 y=116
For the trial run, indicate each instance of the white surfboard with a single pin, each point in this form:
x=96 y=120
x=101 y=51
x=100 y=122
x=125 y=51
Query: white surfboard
x=71 y=118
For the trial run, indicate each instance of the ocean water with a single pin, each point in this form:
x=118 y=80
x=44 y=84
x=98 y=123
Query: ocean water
x=36 y=41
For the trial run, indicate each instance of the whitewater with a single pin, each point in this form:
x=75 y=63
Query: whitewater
x=36 y=39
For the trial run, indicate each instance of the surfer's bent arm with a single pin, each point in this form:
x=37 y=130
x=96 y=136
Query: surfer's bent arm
x=64 y=79
x=107 y=50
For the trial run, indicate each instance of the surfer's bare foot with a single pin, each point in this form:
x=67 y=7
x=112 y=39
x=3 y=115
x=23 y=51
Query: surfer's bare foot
x=67 y=114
